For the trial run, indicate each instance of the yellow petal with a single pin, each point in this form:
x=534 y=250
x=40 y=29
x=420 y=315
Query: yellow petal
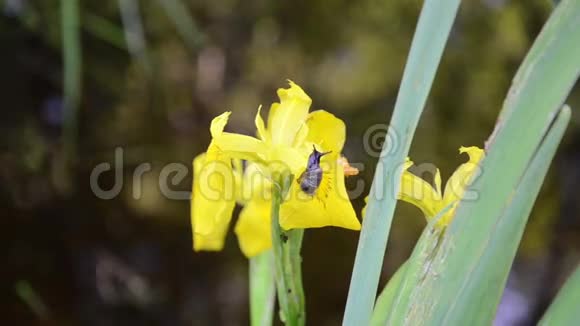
x=198 y=162
x=329 y=206
x=461 y=178
x=286 y=118
x=212 y=202
x=274 y=107
x=241 y=146
x=419 y=192
x=256 y=183
x=364 y=209
x=253 y=227
x=238 y=171
x=283 y=157
x=211 y=242
x=447 y=217
x=326 y=131
x=260 y=127
x=218 y=124
x=301 y=136
x=408 y=163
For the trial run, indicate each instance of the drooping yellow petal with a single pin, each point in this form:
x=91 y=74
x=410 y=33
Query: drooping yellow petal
x=253 y=227
x=212 y=202
x=286 y=118
x=326 y=131
x=212 y=242
x=461 y=178
x=329 y=206
x=213 y=195
x=419 y=192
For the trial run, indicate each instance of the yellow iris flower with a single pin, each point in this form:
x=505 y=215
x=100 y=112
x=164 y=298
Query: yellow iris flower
x=283 y=145
x=430 y=200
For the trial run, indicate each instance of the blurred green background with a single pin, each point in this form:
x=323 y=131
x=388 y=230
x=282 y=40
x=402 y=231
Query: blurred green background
x=150 y=75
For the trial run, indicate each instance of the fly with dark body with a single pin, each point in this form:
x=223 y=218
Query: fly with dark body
x=311 y=177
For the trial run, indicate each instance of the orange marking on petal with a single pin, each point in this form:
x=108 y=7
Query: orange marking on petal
x=348 y=169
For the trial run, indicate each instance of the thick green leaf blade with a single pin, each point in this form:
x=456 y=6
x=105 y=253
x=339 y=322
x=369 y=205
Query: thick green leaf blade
x=433 y=29
x=482 y=291
x=387 y=297
x=564 y=309
x=457 y=293
x=262 y=289
x=488 y=278
x=416 y=270
x=397 y=293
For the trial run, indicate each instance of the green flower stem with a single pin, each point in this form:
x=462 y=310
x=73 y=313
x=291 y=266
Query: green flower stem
x=287 y=261
x=262 y=289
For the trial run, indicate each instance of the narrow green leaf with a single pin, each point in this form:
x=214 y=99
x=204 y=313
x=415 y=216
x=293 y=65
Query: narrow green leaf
x=32 y=299
x=104 y=29
x=433 y=29
x=184 y=22
x=564 y=309
x=134 y=33
x=262 y=289
x=460 y=293
x=71 y=43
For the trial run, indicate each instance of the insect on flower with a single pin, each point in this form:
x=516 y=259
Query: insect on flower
x=310 y=179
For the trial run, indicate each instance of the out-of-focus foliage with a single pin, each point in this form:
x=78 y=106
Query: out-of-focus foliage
x=94 y=261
